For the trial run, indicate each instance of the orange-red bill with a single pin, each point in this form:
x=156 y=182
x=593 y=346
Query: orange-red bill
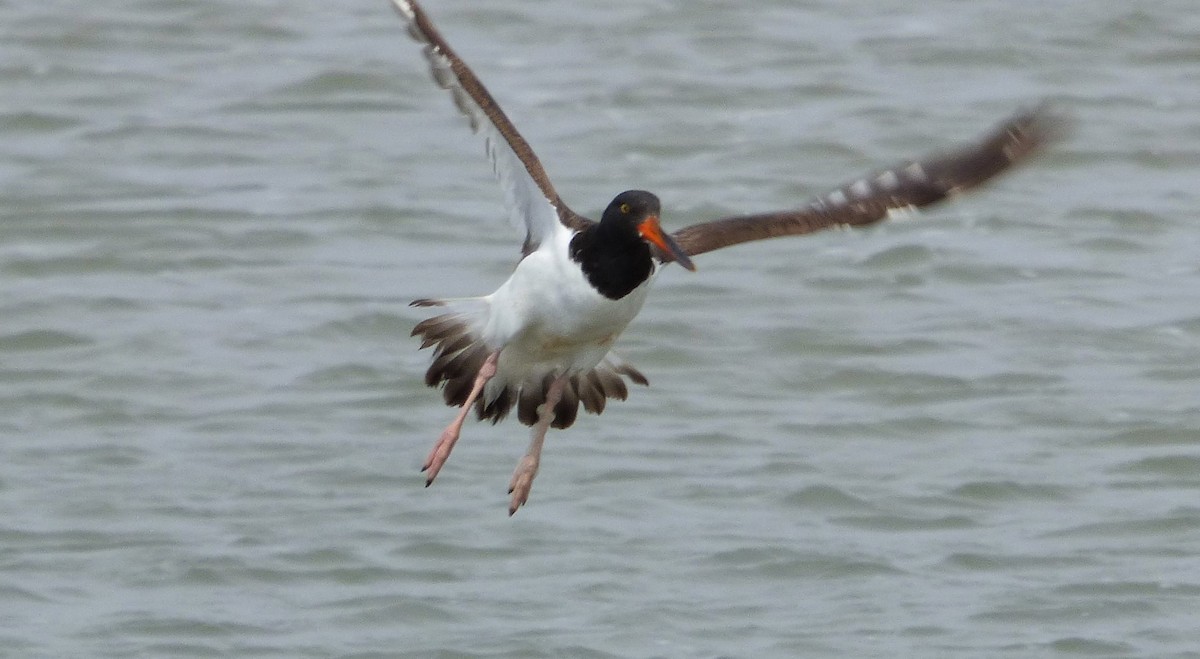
x=651 y=230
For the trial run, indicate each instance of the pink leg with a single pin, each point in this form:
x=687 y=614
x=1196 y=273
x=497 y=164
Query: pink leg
x=445 y=443
x=527 y=468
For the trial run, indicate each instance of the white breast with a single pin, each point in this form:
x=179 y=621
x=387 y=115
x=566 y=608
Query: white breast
x=547 y=316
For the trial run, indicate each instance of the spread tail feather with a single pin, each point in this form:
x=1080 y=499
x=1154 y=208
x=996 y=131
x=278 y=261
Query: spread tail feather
x=459 y=352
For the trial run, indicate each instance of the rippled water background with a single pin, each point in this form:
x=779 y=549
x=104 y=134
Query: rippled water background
x=972 y=434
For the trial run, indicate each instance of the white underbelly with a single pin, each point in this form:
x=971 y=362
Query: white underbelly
x=547 y=316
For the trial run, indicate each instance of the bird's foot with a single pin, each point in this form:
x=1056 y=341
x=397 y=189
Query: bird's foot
x=440 y=453
x=522 y=482
x=445 y=443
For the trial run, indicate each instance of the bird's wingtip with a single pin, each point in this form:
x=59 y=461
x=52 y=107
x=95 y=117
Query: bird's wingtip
x=1041 y=125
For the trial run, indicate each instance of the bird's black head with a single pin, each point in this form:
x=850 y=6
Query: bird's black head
x=636 y=212
x=631 y=207
x=617 y=254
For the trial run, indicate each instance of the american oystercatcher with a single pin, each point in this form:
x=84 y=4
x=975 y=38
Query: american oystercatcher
x=541 y=342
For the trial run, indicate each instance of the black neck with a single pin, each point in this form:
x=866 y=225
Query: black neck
x=614 y=260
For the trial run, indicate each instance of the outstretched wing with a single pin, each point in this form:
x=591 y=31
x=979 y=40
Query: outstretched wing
x=532 y=203
x=910 y=185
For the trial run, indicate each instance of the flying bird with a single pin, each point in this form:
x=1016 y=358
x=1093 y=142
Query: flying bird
x=542 y=341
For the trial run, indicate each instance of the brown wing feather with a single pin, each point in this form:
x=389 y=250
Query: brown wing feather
x=911 y=185
x=467 y=91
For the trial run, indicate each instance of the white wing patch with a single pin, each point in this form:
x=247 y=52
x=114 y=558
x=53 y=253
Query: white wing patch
x=527 y=205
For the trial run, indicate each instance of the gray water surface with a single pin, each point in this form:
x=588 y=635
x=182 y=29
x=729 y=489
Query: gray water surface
x=972 y=433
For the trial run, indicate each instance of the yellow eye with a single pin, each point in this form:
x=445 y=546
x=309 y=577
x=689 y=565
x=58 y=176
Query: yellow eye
x=625 y=208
